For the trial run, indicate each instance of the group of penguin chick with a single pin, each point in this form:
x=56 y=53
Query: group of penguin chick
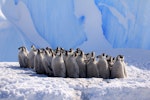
x=71 y=63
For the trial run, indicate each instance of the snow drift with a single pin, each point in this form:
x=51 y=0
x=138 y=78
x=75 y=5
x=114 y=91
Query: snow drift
x=24 y=84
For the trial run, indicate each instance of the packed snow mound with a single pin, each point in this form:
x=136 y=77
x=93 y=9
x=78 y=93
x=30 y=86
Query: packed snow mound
x=25 y=84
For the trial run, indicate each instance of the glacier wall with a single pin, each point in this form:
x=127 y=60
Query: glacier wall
x=56 y=22
x=92 y=25
x=126 y=22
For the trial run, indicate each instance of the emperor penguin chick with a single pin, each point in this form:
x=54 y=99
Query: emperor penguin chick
x=90 y=55
x=72 y=66
x=31 y=56
x=102 y=66
x=110 y=62
x=58 y=66
x=82 y=65
x=118 y=69
x=92 y=70
x=38 y=65
x=47 y=60
x=23 y=57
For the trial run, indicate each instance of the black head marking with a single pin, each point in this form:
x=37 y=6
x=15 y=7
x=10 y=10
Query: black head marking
x=47 y=48
x=78 y=49
x=93 y=59
x=103 y=54
x=97 y=56
x=62 y=48
x=19 y=48
x=66 y=53
x=92 y=54
x=121 y=56
x=113 y=58
x=75 y=54
x=70 y=50
x=32 y=46
x=38 y=51
x=107 y=56
x=81 y=54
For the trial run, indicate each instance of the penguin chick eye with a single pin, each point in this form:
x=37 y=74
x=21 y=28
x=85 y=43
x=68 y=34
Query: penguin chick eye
x=113 y=58
x=47 y=48
x=103 y=54
x=19 y=48
x=93 y=59
x=121 y=56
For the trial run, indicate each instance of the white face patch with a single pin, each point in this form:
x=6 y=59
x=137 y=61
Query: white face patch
x=33 y=48
x=20 y=49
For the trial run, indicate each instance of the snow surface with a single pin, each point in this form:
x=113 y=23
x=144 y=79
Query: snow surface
x=92 y=25
x=24 y=84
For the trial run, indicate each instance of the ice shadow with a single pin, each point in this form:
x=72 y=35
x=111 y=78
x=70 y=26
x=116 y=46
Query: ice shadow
x=26 y=71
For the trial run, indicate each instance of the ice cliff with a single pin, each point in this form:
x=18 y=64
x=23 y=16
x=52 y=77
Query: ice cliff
x=92 y=25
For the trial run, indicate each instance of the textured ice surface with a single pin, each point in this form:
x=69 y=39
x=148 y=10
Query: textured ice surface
x=92 y=25
x=125 y=23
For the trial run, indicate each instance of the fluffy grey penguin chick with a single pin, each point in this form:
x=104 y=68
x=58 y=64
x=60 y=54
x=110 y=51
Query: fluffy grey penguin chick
x=72 y=66
x=92 y=70
x=23 y=57
x=31 y=56
x=47 y=60
x=38 y=62
x=58 y=66
x=102 y=66
x=118 y=69
x=82 y=65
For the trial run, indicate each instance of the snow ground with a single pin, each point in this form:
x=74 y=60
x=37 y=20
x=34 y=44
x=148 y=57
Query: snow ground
x=24 y=84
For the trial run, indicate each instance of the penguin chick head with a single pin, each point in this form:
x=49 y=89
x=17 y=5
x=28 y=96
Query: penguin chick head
x=22 y=49
x=92 y=54
x=33 y=47
x=120 y=58
x=102 y=56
